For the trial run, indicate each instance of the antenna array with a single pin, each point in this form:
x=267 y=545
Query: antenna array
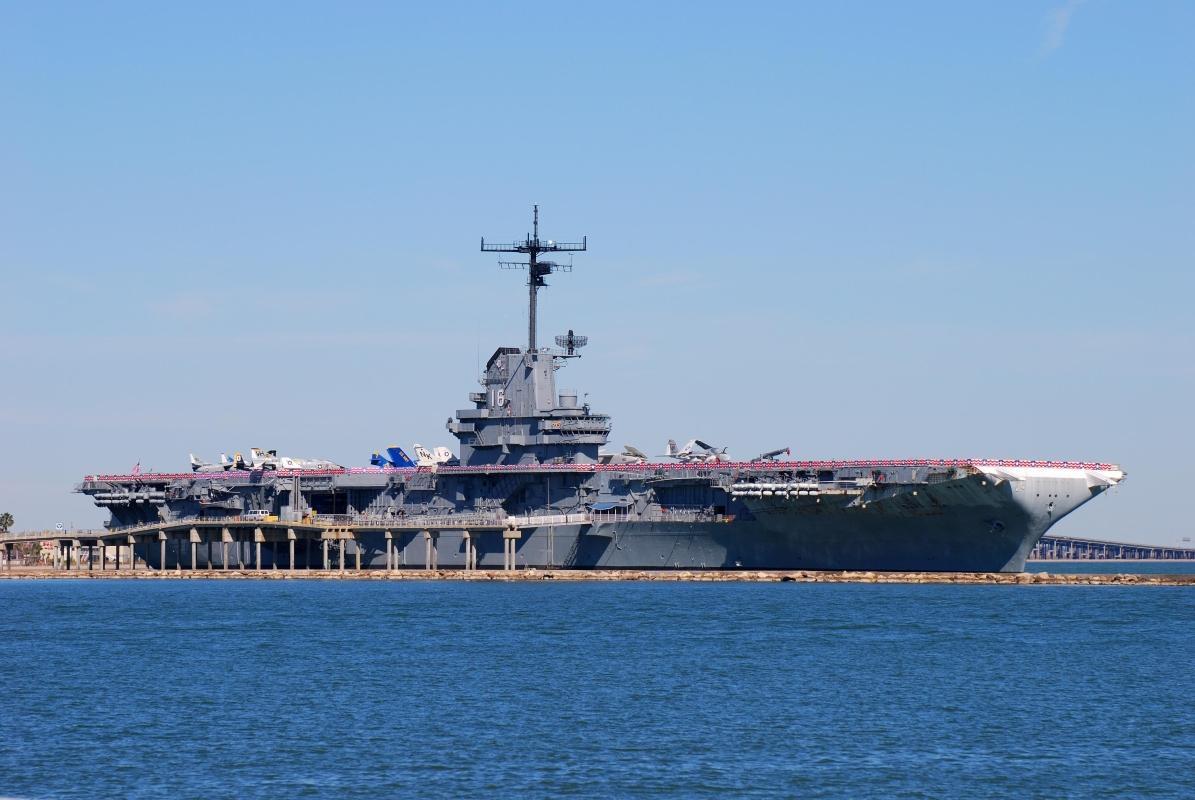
x=537 y=270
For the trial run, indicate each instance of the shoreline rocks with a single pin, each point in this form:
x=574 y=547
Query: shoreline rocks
x=692 y=576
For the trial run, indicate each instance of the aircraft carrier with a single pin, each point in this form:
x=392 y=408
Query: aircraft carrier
x=533 y=488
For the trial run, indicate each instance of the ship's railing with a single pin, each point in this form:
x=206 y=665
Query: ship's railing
x=615 y=516
x=44 y=535
x=379 y=521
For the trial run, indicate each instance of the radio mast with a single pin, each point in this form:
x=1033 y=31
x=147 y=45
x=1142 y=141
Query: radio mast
x=537 y=270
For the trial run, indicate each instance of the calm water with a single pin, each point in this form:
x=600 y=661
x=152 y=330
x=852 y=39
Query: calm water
x=361 y=689
x=1113 y=567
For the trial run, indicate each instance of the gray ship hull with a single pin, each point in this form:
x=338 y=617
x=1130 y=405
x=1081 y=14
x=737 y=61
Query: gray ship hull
x=987 y=521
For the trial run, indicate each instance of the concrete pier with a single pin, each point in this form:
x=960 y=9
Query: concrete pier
x=398 y=536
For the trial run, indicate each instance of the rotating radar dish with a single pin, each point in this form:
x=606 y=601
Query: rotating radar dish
x=571 y=342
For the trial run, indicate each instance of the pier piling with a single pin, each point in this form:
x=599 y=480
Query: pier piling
x=509 y=537
x=431 y=542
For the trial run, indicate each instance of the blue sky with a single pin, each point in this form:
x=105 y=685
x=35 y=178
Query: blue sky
x=855 y=229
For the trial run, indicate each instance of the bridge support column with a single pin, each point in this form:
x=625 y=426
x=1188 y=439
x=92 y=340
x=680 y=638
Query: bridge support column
x=117 y=549
x=343 y=552
x=307 y=551
x=194 y=537
x=133 y=553
x=161 y=551
x=258 y=538
x=357 y=548
x=290 y=540
x=225 y=538
x=326 y=561
x=389 y=552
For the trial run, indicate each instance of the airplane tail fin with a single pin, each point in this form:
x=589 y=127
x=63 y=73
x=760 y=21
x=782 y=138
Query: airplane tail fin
x=378 y=460
x=225 y=461
x=399 y=458
x=672 y=447
x=195 y=463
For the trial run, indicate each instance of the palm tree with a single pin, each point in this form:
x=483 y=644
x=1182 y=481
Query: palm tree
x=5 y=522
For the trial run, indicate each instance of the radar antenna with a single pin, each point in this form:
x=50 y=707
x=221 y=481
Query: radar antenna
x=571 y=342
x=537 y=270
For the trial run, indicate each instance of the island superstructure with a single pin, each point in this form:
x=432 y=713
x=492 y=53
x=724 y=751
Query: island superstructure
x=533 y=488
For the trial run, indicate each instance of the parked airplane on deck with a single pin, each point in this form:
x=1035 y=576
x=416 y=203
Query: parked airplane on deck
x=270 y=460
x=696 y=451
x=198 y=465
x=629 y=455
x=395 y=457
x=431 y=458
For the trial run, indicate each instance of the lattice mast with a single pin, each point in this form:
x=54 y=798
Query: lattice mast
x=537 y=270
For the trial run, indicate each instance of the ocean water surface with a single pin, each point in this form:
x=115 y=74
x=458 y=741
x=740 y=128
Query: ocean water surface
x=1112 y=567
x=331 y=689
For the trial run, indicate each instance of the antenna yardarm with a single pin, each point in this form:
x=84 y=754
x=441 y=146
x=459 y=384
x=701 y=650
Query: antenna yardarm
x=537 y=270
